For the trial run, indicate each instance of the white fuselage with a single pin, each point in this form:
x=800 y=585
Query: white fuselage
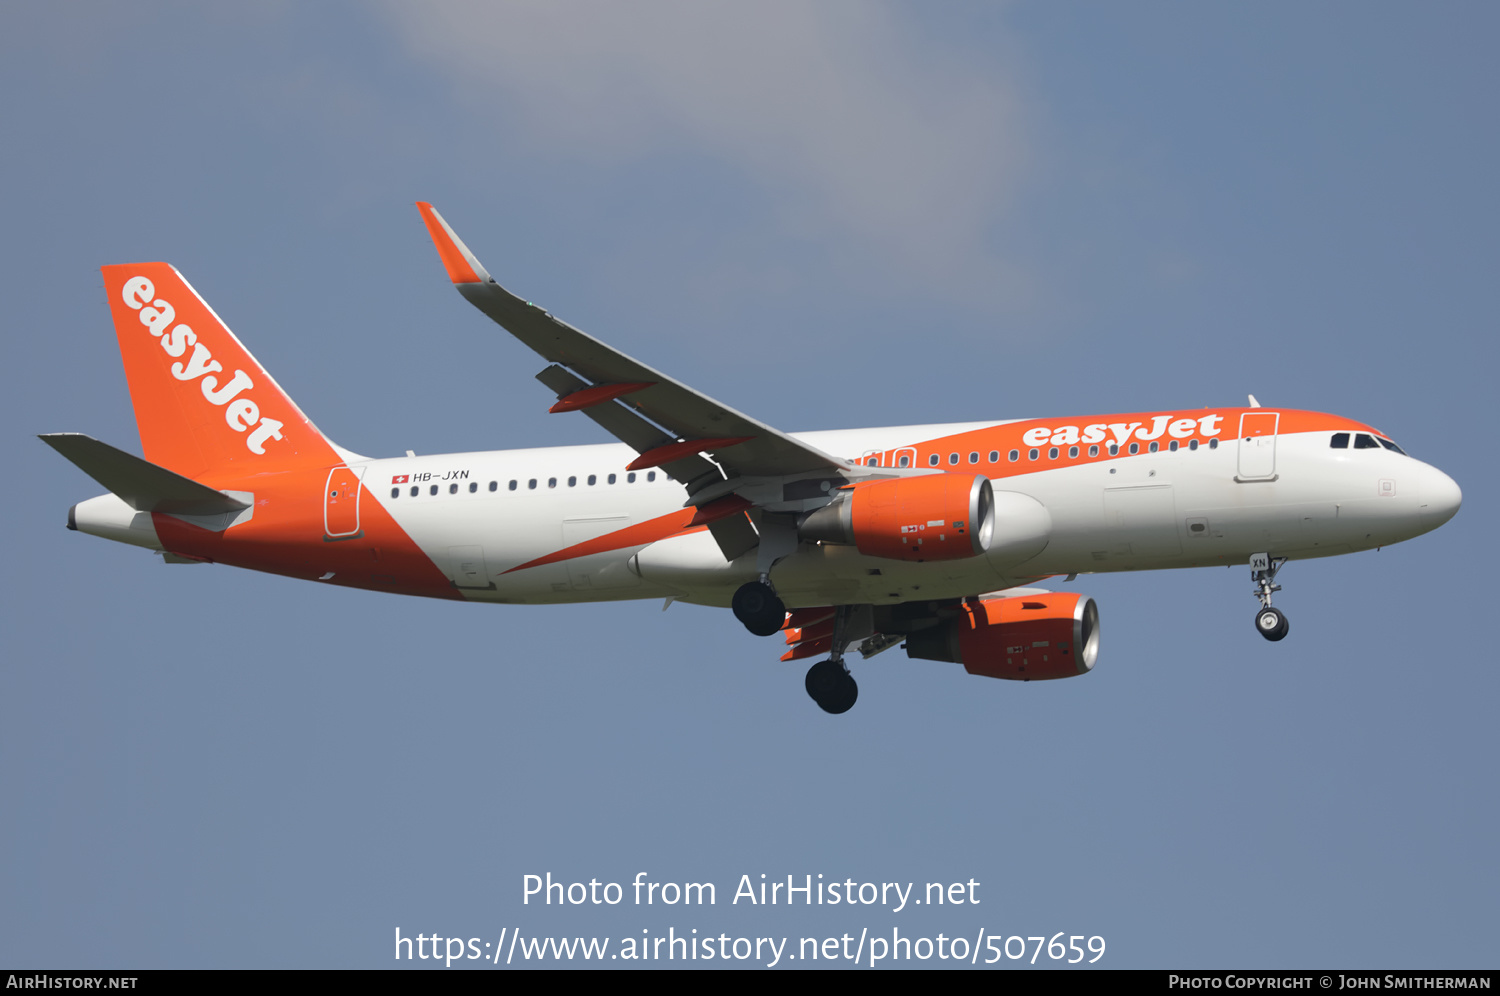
x=1148 y=511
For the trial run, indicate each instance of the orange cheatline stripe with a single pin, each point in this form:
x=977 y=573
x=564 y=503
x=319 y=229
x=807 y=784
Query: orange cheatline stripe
x=459 y=270
x=676 y=451
x=682 y=521
x=597 y=395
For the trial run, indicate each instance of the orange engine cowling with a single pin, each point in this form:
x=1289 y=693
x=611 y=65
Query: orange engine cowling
x=1025 y=637
x=932 y=517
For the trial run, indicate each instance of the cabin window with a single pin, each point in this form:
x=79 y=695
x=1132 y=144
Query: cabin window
x=1135 y=448
x=474 y=486
x=1114 y=449
x=593 y=480
x=1094 y=450
x=1052 y=453
x=973 y=457
x=551 y=482
x=453 y=489
x=495 y=485
x=395 y=492
x=1192 y=444
x=932 y=461
x=1340 y=441
x=531 y=484
x=1072 y=453
x=1213 y=444
x=572 y=482
x=414 y=490
x=905 y=461
x=1015 y=455
x=953 y=459
x=1172 y=446
x=650 y=476
x=433 y=490
x=1032 y=454
x=610 y=478
x=994 y=456
x=1154 y=446
x=630 y=477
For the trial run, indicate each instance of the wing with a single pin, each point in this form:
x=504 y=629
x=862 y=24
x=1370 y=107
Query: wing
x=668 y=423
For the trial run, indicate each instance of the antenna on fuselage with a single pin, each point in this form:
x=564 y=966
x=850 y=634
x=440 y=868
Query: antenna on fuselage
x=1253 y=402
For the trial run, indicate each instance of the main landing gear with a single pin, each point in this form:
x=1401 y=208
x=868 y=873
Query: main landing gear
x=756 y=605
x=831 y=686
x=1269 y=623
x=829 y=682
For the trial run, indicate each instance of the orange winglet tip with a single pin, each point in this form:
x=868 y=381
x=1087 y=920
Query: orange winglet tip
x=676 y=451
x=597 y=395
x=461 y=265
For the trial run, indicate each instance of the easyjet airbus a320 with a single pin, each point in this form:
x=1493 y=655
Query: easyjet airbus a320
x=850 y=541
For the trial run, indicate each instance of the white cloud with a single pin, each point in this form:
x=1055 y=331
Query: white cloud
x=861 y=132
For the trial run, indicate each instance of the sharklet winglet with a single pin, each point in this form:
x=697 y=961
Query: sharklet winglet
x=460 y=263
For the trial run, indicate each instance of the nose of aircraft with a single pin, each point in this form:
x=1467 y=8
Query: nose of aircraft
x=1440 y=497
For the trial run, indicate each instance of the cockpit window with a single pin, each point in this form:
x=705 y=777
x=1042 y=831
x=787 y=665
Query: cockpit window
x=1365 y=441
x=1340 y=441
x=1390 y=445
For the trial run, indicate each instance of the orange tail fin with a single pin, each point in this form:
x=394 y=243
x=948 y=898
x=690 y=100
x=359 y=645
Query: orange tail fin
x=202 y=402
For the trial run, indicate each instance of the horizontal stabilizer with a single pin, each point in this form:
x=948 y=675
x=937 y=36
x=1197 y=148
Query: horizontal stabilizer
x=141 y=484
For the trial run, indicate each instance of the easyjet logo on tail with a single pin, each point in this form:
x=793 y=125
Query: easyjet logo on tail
x=240 y=413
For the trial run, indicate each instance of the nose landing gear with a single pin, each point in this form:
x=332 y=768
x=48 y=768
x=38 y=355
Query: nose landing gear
x=1269 y=623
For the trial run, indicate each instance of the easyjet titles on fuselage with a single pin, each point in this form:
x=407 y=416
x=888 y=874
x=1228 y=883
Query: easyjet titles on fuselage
x=1181 y=428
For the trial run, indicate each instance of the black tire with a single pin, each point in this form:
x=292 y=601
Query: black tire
x=831 y=687
x=1272 y=624
x=757 y=606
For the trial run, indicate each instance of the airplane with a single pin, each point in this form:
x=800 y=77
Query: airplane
x=932 y=537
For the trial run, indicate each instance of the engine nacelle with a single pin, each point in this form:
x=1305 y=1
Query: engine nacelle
x=1025 y=638
x=932 y=517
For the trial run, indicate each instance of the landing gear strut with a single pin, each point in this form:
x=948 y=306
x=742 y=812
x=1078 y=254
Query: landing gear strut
x=829 y=682
x=756 y=605
x=1269 y=623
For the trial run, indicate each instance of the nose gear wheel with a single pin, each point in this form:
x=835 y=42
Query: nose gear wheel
x=1269 y=623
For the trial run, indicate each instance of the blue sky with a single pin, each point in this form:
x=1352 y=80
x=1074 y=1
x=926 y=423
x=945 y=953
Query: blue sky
x=824 y=215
